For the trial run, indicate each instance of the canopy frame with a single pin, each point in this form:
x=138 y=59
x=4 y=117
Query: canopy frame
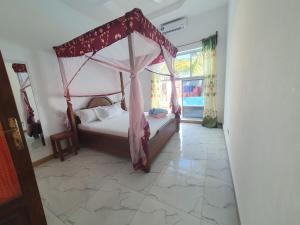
x=106 y=35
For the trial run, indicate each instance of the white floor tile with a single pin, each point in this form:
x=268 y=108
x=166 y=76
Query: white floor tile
x=112 y=204
x=189 y=183
x=153 y=212
x=180 y=190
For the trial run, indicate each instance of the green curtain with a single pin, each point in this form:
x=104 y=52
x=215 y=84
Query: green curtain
x=210 y=83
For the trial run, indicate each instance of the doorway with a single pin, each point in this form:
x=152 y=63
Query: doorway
x=192 y=98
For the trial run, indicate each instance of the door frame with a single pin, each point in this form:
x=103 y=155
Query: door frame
x=30 y=199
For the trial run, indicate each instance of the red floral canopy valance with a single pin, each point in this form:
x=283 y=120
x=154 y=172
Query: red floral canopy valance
x=19 y=68
x=111 y=32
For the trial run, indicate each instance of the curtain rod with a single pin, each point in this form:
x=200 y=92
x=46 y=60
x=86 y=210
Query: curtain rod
x=194 y=42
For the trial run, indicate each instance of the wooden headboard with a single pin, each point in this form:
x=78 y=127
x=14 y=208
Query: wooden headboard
x=75 y=120
x=99 y=101
x=94 y=102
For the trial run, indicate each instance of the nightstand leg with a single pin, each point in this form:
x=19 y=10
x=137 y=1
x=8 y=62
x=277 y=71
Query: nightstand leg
x=74 y=145
x=54 y=148
x=61 y=153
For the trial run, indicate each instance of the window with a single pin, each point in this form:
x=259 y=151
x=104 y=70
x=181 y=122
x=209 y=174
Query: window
x=189 y=70
x=189 y=84
x=192 y=98
x=189 y=64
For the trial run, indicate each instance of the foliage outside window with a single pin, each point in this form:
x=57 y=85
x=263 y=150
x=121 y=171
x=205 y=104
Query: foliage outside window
x=189 y=64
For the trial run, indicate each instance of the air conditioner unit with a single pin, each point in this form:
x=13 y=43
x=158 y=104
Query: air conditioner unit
x=174 y=25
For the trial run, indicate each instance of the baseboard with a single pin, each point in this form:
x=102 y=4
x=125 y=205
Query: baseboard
x=191 y=121
x=235 y=196
x=219 y=124
x=42 y=160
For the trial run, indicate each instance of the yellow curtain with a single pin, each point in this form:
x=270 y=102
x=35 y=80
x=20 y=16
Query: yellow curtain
x=156 y=91
x=210 y=82
x=160 y=91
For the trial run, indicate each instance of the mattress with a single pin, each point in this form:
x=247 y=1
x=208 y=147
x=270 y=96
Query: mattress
x=118 y=126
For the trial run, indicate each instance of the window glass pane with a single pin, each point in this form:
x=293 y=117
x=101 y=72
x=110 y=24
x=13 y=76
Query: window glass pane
x=197 y=64
x=182 y=66
x=192 y=98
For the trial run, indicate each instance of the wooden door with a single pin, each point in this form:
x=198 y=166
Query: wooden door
x=20 y=202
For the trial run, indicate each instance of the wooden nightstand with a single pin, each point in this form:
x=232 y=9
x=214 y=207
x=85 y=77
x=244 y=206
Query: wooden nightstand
x=56 y=144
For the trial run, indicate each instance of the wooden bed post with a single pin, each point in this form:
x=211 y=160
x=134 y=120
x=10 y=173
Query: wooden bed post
x=72 y=121
x=178 y=124
x=123 y=102
x=147 y=167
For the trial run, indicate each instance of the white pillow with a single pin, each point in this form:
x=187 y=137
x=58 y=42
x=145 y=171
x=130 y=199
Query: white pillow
x=107 y=112
x=114 y=110
x=101 y=113
x=87 y=115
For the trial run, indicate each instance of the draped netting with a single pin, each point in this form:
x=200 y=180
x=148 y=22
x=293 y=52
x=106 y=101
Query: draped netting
x=176 y=109
x=127 y=44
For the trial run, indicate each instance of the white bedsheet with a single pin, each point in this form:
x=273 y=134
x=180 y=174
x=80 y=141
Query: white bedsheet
x=119 y=125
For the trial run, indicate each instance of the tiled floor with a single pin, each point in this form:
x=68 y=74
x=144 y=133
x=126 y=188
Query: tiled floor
x=189 y=183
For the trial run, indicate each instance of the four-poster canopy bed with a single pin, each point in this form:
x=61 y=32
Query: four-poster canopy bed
x=127 y=44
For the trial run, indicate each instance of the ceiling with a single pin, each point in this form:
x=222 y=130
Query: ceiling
x=106 y=10
x=45 y=23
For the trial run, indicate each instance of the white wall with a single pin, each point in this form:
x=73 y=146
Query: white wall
x=262 y=107
x=94 y=79
x=48 y=90
x=199 y=27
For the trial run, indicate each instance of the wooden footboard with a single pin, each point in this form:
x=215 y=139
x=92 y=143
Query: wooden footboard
x=119 y=146
x=161 y=138
x=112 y=144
